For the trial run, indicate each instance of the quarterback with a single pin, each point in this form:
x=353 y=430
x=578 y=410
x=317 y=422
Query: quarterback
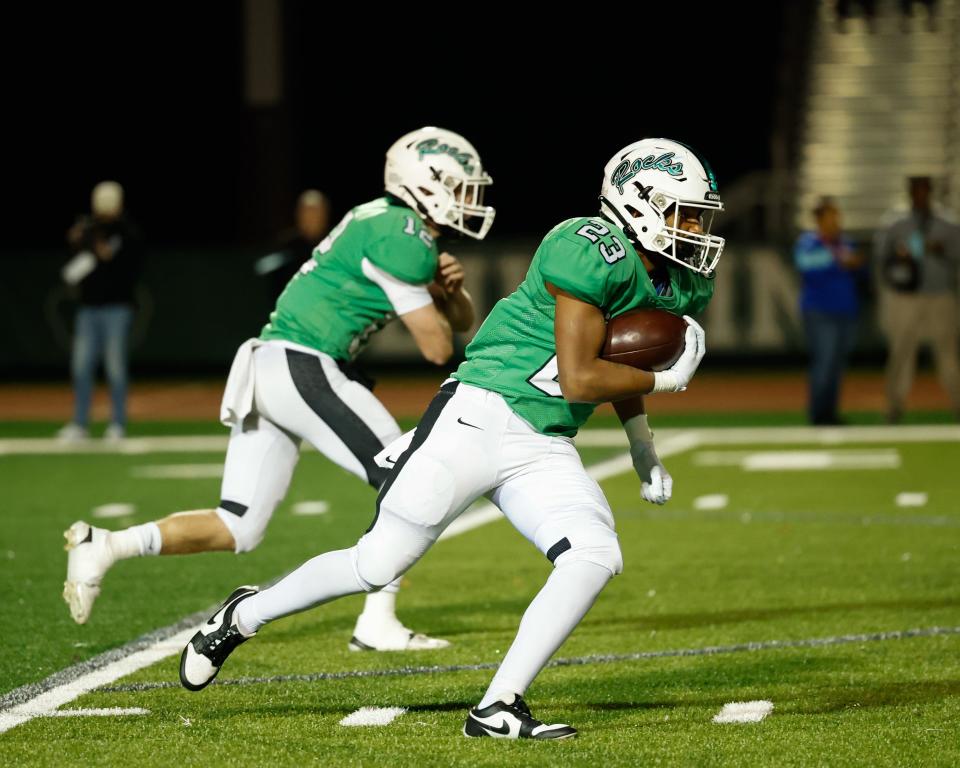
x=503 y=425
x=297 y=382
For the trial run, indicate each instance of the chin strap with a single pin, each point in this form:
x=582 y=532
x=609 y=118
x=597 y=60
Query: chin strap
x=421 y=208
x=624 y=225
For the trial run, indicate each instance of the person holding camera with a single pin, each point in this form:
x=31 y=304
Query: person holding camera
x=104 y=267
x=920 y=261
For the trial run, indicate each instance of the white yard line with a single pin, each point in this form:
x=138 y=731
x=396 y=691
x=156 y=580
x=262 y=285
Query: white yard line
x=588 y=438
x=178 y=471
x=933 y=433
x=51 y=700
x=816 y=460
x=98 y=712
x=133 y=445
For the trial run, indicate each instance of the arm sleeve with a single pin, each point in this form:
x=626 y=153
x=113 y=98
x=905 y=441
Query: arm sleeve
x=405 y=297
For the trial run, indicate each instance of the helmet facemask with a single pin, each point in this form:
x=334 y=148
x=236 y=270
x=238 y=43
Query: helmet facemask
x=699 y=251
x=465 y=211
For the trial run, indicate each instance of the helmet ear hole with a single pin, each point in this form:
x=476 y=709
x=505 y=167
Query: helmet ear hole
x=424 y=191
x=644 y=191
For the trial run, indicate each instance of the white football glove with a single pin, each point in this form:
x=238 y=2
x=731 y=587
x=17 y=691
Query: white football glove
x=676 y=378
x=656 y=484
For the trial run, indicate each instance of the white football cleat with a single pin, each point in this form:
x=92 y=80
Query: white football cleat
x=374 y=633
x=513 y=721
x=89 y=558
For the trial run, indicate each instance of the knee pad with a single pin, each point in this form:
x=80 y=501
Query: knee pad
x=369 y=577
x=373 y=570
x=247 y=525
x=598 y=546
x=388 y=549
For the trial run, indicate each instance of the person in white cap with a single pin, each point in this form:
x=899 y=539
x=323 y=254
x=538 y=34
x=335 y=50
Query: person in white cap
x=104 y=268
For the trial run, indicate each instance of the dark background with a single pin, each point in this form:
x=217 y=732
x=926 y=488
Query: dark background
x=153 y=97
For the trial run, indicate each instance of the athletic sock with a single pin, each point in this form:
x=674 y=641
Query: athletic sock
x=554 y=613
x=382 y=605
x=136 y=541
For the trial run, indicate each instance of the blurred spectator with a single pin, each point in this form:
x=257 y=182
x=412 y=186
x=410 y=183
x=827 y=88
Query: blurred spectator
x=920 y=256
x=845 y=9
x=104 y=268
x=828 y=262
x=906 y=13
x=296 y=246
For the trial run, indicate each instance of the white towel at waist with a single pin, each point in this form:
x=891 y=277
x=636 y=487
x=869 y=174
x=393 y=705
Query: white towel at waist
x=237 y=400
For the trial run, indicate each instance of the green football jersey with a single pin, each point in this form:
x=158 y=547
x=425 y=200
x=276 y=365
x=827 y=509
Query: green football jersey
x=330 y=305
x=514 y=352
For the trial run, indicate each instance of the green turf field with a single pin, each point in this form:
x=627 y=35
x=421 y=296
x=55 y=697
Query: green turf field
x=792 y=556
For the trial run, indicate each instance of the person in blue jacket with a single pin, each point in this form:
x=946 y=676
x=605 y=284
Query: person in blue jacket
x=829 y=264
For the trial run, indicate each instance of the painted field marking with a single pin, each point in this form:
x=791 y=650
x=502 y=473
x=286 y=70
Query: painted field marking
x=178 y=471
x=921 y=433
x=800 y=461
x=113 y=510
x=711 y=501
x=311 y=508
x=373 y=716
x=907 y=499
x=51 y=700
x=743 y=712
x=103 y=712
x=587 y=438
x=130 y=446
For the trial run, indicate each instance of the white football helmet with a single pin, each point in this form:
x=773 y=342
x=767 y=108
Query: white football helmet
x=647 y=181
x=438 y=173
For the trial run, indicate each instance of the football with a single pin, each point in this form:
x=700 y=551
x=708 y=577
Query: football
x=649 y=339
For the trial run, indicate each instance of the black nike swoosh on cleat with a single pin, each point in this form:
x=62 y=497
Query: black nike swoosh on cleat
x=461 y=421
x=502 y=730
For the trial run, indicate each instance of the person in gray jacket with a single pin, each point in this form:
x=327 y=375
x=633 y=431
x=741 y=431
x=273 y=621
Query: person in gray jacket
x=919 y=262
